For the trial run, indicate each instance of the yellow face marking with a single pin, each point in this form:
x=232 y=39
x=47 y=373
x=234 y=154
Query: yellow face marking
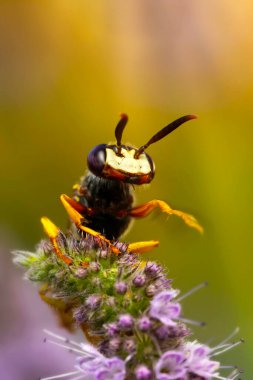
x=127 y=163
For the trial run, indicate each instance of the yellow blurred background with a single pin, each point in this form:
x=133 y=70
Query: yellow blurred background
x=67 y=68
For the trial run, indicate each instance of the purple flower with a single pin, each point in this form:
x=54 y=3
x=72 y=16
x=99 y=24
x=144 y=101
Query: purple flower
x=114 y=344
x=94 y=366
x=144 y=324
x=80 y=314
x=152 y=268
x=120 y=287
x=139 y=280
x=89 y=362
x=111 y=329
x=162 y=283
x=121 y=246
x=162 y=332
x=163 y=309
x=143 y=373
x=113 y=369
x=93 y=301
x=165 y=332
x=198 y=362
x=171 y=366
x=125 y=322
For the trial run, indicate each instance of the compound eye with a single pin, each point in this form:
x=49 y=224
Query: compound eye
x=96 y=159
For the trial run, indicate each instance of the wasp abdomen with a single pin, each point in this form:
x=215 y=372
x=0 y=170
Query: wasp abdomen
x=107 y=198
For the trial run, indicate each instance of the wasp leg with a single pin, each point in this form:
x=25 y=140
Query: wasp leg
x=52 y=232
x=78 y=206
x=78 y=219
x=142 y=246
x=146 y=208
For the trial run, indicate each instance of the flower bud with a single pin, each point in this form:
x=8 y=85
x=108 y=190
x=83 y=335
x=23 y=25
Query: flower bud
x=114 y=344
x=120 y=287
x=152 y=268
x=144 y=324
x=125 y=322
x=162 y=332
x=93 y=301
x=111 y=329
x=142 y=372
x=139 y=280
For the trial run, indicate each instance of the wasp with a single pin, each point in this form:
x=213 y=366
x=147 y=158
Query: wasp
x=102 y=203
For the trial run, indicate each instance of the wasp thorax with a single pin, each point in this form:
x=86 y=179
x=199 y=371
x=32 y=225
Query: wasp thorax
x=108 y=161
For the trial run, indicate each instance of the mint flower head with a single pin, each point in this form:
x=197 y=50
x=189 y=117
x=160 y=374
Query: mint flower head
x=127 y=308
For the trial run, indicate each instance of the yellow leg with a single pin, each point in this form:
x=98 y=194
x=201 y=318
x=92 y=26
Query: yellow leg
x=146 y=208
x=78 y=219
x=52 y=232
x=142 y=246
x=79 y=207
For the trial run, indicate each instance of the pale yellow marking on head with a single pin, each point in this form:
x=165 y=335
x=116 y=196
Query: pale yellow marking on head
x=127 y=163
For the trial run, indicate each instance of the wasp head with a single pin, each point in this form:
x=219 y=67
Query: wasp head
x=126 y=163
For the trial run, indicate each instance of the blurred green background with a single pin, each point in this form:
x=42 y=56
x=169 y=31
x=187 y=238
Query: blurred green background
x=67 y=69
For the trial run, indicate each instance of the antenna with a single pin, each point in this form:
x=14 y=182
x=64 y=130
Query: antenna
x=164 y=132
x=119 y=130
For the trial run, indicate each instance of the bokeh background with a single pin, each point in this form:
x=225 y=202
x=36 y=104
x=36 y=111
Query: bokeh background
x=67 y=68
